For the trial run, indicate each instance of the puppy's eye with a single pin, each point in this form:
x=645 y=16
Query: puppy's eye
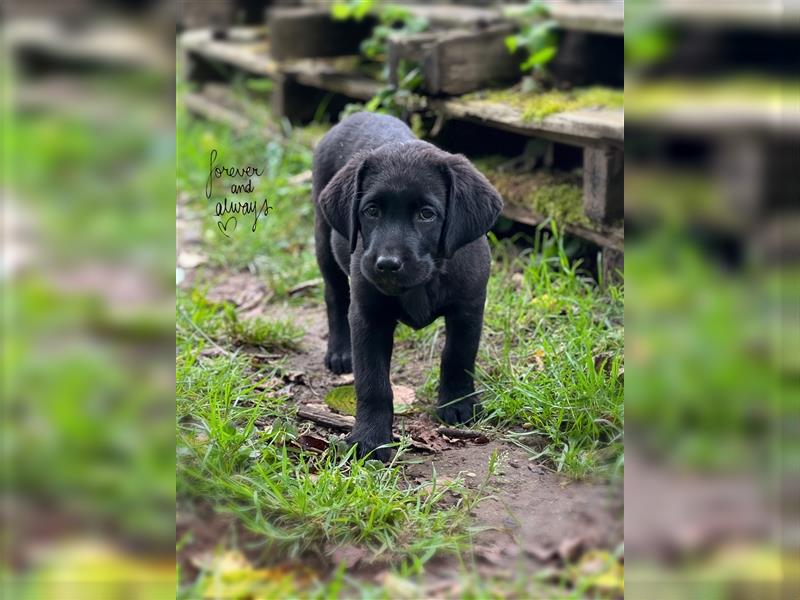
x=427 y=214
x=371 y=211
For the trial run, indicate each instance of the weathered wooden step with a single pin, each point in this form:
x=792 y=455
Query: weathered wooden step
x=458 y=61
x=586 y=128
x=252 y=56
x=606 y=17
x=311 y=32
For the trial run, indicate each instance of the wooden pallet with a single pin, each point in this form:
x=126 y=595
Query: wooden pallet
x=473 y=56
x=300 y=85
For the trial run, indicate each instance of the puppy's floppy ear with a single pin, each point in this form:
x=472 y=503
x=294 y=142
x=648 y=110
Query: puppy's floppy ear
x=339 y=200
x=473 y=205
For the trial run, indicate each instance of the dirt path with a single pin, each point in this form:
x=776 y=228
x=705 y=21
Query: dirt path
x=534 y=517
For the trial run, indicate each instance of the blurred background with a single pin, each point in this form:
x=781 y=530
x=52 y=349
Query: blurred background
x=712 y=319
x=88 y=168
x=711 y=207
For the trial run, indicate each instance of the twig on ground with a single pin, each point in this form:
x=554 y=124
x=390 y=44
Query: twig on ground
x=328 y=419
x=345 y=423
x=305 y=285
x=465 y=434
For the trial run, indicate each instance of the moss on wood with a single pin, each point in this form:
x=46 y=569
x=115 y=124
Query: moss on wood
x=550 y=194
x=536 y=106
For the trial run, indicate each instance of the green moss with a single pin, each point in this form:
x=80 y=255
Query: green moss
x=536 y=106
x=743 y=91
x=561 y=201
x=550 y=194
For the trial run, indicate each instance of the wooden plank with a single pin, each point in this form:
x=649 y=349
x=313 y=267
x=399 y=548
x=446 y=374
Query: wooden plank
x=605 y=17
x=584 y=59
x=295 y=101
x=603 y=184
x=250 y=56
x=767 y=15
x=110 y=45
x=310 y=32
x=593 y=17
x=218 y=103
x=605 y=236
x=612 y=263
x=458 y=61
x=592 y=128
x=449 y=15
x=200 y=105
x=326 y=76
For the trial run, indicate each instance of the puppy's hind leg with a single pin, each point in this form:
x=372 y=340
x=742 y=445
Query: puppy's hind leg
x=339 y=357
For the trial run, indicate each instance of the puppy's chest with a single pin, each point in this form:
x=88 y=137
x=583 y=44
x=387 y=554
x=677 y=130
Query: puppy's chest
x=420 y=308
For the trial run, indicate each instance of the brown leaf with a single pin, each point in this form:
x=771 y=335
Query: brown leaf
x=570 y=549
x=346 y=379
x=294 y=377
x=492 y=554
x=269 y=384
x=349 y=555
x=312 y=443
x=538 y=358
x=541 y=553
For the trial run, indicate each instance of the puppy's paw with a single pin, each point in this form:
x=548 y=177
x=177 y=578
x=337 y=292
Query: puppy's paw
x=368 y=442
x=339 y=361
x=456 y=413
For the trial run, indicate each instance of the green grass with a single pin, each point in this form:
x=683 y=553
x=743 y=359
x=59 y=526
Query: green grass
x=545 y=323
x=297 y=501
x=281 y=250
x=238 y=445
x=219 y=324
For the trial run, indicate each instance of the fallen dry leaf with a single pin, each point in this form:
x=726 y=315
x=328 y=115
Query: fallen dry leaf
x=538 y=358
x=312 y=443
x=570 y=549
x=294 y=377
x=348 y=555
x=191 y=260
x=492 y=554
x=346 y=379
x=541 y=553
x=269 y=384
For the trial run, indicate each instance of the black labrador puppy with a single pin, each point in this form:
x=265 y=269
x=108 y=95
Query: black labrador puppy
x=407 y=222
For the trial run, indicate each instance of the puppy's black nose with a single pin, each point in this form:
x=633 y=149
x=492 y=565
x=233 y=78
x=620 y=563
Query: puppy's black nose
x=388 y=264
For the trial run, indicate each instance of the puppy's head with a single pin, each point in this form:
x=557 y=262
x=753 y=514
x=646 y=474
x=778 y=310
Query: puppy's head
x=411 y=203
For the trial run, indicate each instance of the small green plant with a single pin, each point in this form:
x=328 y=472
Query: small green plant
x=396 y=100
x=538 y=39
x=352 y=9
x=392 y=20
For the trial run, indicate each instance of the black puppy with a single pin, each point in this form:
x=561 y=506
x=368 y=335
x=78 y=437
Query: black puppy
x=407 y=222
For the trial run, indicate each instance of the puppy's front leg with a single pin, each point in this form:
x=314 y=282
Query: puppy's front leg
x=372 y=338
x=456 y=388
